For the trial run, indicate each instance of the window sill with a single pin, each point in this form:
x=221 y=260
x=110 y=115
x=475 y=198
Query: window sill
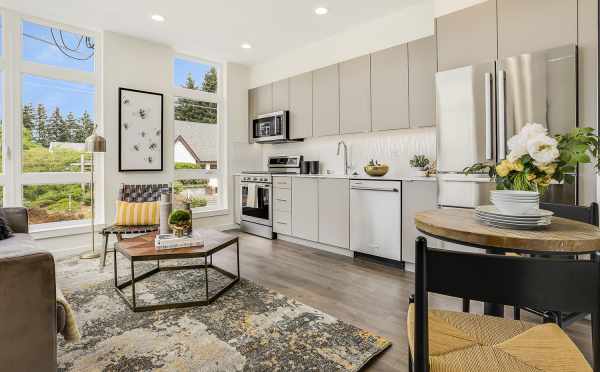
x=54 y=230
x=211 y=213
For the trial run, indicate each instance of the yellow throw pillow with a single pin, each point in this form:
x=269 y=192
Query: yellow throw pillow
x=135 y=214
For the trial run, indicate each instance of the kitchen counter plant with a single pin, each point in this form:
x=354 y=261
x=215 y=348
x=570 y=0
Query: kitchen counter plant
x=419 y=164
x=537 y=159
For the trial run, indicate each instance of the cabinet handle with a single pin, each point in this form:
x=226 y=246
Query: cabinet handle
x=282 y=223
x=281 y=200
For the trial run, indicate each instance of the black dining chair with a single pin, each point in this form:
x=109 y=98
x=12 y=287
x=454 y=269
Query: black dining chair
x=576 y=213
x=456 y=341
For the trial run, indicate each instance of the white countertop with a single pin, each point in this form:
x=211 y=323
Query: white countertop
x=356 y=177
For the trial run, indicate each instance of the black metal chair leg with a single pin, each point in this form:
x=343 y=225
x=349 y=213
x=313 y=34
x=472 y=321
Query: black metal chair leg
x=517 y=313
x=466 y=305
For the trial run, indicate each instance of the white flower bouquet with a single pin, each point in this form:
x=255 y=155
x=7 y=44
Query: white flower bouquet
x=536 y=159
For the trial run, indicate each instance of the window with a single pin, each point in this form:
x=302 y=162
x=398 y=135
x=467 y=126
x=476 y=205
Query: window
x=55 y=70
x=198 y=146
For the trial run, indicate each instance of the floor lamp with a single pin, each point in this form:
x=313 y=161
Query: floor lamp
x=93 y=144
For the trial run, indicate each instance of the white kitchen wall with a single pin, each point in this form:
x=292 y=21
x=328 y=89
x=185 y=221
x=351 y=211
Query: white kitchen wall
x=394 y=148
x=409 y=24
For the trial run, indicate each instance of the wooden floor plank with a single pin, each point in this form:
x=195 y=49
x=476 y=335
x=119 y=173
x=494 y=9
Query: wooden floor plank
x=366 y=294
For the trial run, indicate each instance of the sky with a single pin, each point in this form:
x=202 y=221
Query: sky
x=38 y=46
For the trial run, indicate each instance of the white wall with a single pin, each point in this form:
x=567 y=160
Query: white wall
x=412 y=23
x=394 y=148
x=443 y=7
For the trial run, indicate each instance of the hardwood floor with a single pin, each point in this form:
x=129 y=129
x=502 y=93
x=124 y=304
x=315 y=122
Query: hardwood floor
x=366 y=294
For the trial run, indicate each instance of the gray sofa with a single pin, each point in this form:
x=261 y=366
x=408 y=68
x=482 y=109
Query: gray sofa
x=29 y=314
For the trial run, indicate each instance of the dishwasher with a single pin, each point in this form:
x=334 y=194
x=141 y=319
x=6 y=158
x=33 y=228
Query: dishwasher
x=375 y=218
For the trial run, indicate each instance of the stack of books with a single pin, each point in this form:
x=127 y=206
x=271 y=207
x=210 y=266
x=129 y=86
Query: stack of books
x=170 y=241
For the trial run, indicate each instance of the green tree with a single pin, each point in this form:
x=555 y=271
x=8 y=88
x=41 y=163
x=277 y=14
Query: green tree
x=28 y=116
x=57 y=128
x=210 y=81
x=190 y=83
x=39 y=133
x=70 y=127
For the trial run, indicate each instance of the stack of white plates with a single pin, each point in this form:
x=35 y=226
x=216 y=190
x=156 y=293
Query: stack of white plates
x=492 y=216
x=515 y=202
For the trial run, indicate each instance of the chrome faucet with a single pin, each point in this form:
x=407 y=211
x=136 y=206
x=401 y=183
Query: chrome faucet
x=346 y=167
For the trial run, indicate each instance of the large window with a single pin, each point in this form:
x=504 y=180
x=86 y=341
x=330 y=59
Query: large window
x=198 y=146
x=54 y=69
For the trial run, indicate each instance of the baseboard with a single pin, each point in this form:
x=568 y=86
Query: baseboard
x=316 y=245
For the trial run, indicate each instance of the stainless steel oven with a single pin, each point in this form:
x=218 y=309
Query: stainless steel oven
x=256 y=199
x=273 y=127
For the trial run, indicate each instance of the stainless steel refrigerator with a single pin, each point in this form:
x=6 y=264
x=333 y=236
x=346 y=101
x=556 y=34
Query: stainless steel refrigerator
x=480 y=107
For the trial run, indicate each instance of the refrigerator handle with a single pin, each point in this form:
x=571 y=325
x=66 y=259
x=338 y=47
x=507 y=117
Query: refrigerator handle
x=488 y=117
x=501 y=115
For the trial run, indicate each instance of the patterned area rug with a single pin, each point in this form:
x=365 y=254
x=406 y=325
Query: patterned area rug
x=249 y=328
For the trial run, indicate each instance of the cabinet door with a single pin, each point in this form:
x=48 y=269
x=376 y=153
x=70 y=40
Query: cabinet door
x=355 y=95
x=421 y=94
x=251 y=106
x=281 y=92
x=533 y=25
x=305 y=208
x=326 y=101
x=389 y=88
x=334 y=212
x=417 y=196
x=264 y=99
x=237 y=211
x=301 y=106
x=467 y=37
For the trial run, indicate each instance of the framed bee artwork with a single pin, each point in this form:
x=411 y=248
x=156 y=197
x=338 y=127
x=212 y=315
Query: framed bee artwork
x=140 y=131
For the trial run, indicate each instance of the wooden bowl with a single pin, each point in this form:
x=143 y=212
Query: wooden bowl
x=376 y=170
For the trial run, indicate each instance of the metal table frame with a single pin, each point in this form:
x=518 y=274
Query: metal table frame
x=208 y=264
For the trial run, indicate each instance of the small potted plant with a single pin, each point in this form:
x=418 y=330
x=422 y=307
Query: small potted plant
x=376 y=169
x=419 y=164
x=180 y=222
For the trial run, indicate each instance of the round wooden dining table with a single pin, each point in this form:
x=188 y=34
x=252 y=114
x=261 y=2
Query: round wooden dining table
x=562 y=237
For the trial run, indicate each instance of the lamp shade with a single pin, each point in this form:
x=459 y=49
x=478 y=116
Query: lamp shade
x=95 y=143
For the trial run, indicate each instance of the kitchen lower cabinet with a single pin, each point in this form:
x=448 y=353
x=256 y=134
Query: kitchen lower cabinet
x=305 y=208
x=282 y=205
x=417 y=196
x=334 y=212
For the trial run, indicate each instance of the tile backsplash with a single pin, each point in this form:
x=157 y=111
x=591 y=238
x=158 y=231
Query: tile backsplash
x=394 y=148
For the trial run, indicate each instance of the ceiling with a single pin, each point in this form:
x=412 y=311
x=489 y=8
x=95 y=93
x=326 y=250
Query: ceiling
x=216 y=29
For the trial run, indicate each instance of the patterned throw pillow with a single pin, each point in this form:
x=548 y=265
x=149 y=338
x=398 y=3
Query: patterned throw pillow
x=5 y=230
x=136 y=214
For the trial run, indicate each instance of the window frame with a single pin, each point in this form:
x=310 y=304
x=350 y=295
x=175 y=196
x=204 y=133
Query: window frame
x=14 y=67
x=221 y=171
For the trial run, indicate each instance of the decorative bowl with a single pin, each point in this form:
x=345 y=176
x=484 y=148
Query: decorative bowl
x=376 y=170
x=180 y=230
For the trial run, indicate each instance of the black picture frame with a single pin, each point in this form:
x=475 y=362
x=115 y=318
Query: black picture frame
x=121 y=128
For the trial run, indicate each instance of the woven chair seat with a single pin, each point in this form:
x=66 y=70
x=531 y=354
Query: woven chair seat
x=118 y=229
x=463 y=342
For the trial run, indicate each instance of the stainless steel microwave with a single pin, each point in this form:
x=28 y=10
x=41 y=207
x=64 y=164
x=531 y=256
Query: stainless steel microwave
x=273 y=127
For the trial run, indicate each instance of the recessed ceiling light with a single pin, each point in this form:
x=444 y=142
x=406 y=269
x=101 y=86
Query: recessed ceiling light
x=158 y=18
x=321 y=11
x=246 y=46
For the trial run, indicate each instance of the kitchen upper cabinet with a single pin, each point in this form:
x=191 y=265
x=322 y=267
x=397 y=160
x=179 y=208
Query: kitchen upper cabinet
x=421 y=94
x=251 y=104
x=389 y=88
x=326 y=101
x=334 y=212
x=532 y=25
x=355 y=95
x=301 y=106
x=264 y=99
x=468 y=36
x=281 y=94
x=305 y=208
x=417 y=196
